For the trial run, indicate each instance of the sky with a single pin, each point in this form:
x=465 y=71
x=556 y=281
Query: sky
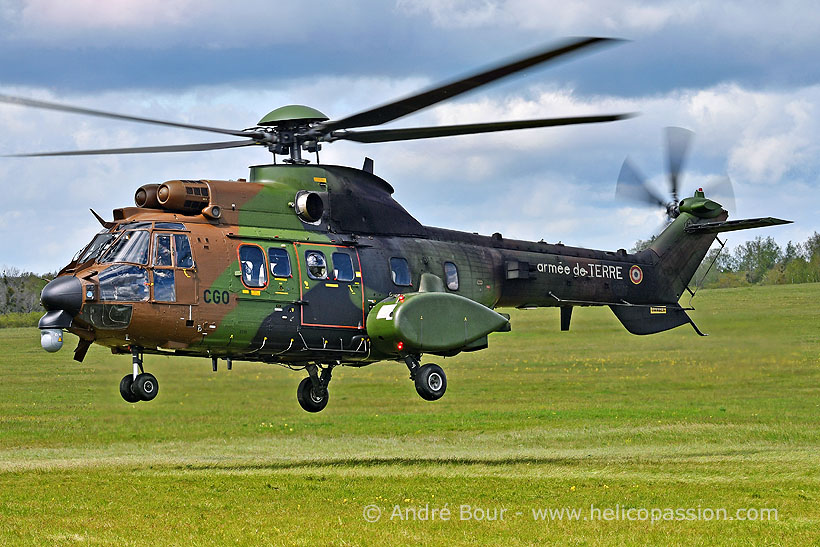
x=741 y=74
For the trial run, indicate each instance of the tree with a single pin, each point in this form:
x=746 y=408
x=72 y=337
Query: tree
x=757 y=257
x=811 y=248
x=642 y=244
x=19 y=291
x=792 y=252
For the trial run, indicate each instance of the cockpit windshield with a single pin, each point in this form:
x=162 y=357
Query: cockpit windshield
x=130 y=246
x=93 y=249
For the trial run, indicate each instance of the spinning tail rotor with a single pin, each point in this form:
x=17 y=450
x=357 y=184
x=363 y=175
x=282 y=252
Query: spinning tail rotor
x=632 y=185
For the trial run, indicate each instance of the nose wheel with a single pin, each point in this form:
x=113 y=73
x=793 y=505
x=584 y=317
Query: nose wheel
x=139 y=385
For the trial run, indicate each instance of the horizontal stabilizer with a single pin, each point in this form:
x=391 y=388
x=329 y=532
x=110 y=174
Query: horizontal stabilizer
x=650 y=319
x=732 y=225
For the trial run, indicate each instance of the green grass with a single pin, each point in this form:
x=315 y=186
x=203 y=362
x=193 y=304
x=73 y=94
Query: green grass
x=594 y=416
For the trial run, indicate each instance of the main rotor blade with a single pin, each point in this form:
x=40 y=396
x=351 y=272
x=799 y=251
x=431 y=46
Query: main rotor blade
x=411 y=133
x=101 y=114
x=632 y=185
x=677 y=145
x=408 y=105
x=142 y=150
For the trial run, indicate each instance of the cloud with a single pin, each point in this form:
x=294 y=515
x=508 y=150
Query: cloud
x=121 y=15
x=162 y=24
x=562 y=17
x=454 y=13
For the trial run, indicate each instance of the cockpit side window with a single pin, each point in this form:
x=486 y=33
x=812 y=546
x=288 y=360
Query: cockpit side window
x=130 y=246
x=184 y=258
x=162 y=250
x=164 y=285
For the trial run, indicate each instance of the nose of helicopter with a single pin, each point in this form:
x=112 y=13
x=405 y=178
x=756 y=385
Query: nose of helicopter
x=62 y=298
x=63 y=293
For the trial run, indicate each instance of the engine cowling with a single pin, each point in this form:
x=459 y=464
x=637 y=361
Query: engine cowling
x=146 y=196
x=184 y=196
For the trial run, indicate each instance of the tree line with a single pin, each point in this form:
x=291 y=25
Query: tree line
x=20 y=291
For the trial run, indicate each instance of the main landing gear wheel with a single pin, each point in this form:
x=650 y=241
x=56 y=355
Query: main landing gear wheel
x=312 y=393
x=145 y=386
x=125 y=389
x=431 y=382
x=139 y=385
x=311 y=398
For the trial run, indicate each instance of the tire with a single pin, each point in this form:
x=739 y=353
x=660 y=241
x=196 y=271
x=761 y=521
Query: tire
x=125 y=389
x=431 y=382
x=145 y=387
x=307 y=397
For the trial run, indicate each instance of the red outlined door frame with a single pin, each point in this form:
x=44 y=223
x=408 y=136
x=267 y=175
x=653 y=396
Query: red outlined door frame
x=359 y=278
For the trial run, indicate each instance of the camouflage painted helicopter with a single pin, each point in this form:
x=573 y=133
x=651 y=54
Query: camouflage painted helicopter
x=317 y=266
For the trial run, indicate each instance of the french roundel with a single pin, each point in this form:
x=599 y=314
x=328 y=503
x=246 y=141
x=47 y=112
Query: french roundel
x=635 y=274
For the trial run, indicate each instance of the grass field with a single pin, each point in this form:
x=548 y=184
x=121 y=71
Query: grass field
x=594 y=417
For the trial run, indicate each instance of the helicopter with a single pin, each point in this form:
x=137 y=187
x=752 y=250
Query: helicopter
x=314 y=266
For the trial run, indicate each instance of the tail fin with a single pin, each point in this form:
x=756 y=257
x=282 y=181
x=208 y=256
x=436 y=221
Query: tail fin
x=683 y=245
x=677 y=252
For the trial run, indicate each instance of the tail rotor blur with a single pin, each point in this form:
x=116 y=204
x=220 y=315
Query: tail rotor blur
x=633 y=186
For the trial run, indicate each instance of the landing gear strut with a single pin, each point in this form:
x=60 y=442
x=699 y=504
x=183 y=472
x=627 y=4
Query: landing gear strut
x=430 y=380
x=139 y=385
x=312 y=392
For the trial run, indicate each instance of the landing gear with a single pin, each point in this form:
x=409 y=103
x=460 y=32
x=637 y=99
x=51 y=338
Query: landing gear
x=145 y=387
x=125 y=389
x=431 y=383
x=430 y=380
x=312 y=392
x=139 y=385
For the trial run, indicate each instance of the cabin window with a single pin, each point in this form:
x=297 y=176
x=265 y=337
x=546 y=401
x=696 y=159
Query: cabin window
x=131 y=246
x=124 y=282
x=184 y=258
x=316 y=264
x=252 y=262
x=162 y=250
x=451 y=276
x=164 y=286
x=343 y=267
x=279 y=262
x=400 y=272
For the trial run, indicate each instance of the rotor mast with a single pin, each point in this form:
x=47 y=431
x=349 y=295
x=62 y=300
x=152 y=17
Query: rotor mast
x=288 y=130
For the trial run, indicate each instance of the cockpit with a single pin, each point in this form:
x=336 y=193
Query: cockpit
x=141 y=260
